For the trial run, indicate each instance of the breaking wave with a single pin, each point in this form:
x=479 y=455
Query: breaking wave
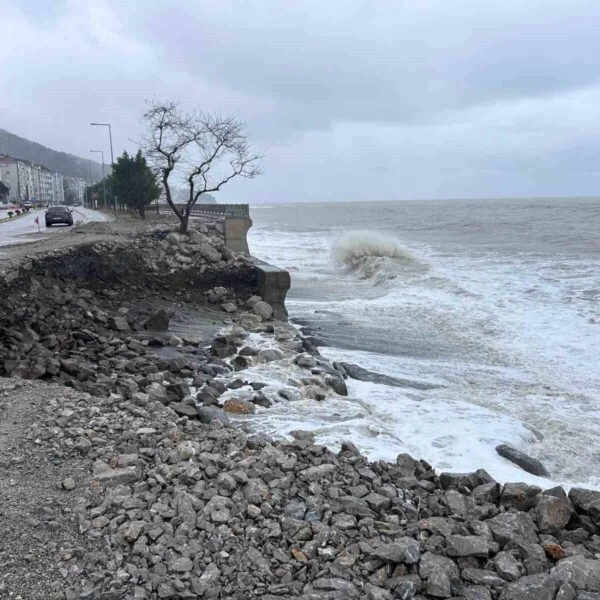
x=371 y=255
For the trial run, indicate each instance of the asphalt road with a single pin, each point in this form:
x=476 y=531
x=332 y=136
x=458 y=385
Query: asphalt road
x=25 y=229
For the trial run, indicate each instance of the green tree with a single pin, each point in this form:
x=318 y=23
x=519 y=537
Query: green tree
x=134 y=183
x=4 y=190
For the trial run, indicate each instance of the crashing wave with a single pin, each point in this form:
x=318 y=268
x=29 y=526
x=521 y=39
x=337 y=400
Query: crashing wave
x=371 y=255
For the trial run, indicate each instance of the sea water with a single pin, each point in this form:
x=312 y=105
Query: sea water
x=494 y=303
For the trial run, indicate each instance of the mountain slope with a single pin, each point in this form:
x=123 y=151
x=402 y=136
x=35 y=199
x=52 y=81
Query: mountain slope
x=67 y=164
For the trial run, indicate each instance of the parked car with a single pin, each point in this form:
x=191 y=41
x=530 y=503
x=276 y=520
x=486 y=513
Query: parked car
x=58 y=214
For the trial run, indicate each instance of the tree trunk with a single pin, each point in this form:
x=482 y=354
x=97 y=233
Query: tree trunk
x=142 y=210
x=185 y=219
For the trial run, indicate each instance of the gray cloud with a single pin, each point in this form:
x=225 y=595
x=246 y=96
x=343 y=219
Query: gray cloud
x=354 y=100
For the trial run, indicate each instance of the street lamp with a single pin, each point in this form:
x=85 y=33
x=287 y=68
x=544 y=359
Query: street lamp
x=103 y=178
x=112 y=159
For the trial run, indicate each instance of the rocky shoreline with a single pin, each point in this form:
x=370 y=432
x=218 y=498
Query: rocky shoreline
x=127 y=470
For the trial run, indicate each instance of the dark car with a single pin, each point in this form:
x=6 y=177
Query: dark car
x=58 y=214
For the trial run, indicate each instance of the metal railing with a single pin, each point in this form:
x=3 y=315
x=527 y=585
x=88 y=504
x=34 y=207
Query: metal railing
x=210 y=210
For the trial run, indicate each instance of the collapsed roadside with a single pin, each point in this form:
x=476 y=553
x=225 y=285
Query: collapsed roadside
x=133 y=483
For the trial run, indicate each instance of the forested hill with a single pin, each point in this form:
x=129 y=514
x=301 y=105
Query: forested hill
x=67 y=164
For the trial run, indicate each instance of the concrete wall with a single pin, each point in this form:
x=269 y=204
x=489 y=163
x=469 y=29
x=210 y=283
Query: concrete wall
x=236 y=229
x=273 y=285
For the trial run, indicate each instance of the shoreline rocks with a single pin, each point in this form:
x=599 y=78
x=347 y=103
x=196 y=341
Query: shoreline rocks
x=166 y=495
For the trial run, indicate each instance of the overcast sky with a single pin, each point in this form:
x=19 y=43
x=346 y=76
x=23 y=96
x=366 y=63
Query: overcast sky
x=349 y=99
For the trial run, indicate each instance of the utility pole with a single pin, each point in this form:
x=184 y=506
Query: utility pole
x=103 y=178
x=112 y=158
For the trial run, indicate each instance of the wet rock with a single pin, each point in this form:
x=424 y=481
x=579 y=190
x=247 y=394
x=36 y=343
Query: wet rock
x=510 y=526
x=223 y=346
x=337 y=384
x=158 y=321
x=269 y=355
x=238 y=407
x=239 y=363
x=261 y=400
x=355 y=372
x=526 y=462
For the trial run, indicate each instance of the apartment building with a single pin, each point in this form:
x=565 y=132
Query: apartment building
x=74 y=190
x=30 y=183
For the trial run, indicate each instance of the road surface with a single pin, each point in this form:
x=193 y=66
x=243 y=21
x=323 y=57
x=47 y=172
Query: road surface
x=25 y=229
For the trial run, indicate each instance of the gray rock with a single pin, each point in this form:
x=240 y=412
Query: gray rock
x=68 y=483
x=442 y=574
x=526 y=462
x=119 y=476
x=467 y=545
x=476 y=592
x=580 y=572
x=586 y=501
x=403 y=550
x=158 y=321
x=337 y=384
x=507 y=566
x=118 y=324
x=306 y=361
x=566 y=592
x=552 y=513
x=336 y=584
x=405 y=587
x=509 y=526
x=267 y=355
x=469 y=481
x=533 y=587
x=482 y=577
x=377 y=593
x=184 y=410
x=520 y=496
x=263 y=309
x=353 y=506
x=210 y=414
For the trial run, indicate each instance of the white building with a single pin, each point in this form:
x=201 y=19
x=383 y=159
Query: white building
x=74 y=190
x=17 y=175
x=58 y=190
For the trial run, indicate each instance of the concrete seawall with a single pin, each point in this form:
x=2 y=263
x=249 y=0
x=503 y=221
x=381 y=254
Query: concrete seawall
x=273 y=284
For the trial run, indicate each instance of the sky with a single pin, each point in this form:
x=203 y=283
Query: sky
x=347 y=99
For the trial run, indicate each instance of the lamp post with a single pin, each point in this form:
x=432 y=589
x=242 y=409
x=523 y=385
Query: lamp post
x=90 y=198
x=112 y=158
x=103 y=178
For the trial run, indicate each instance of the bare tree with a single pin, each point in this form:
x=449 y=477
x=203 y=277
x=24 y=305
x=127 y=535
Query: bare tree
x=203 y=151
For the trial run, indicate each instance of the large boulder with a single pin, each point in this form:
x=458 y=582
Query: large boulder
x=526 y=462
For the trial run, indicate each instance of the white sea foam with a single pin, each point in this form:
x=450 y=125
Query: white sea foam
x=506 y=322
x=372 y=255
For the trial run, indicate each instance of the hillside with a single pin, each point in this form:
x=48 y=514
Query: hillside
x=67 y=164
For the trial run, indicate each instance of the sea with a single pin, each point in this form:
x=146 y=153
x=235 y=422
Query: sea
x=489 y=309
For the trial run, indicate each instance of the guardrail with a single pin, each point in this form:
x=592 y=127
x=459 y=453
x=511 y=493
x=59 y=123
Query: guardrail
x=210 y=210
